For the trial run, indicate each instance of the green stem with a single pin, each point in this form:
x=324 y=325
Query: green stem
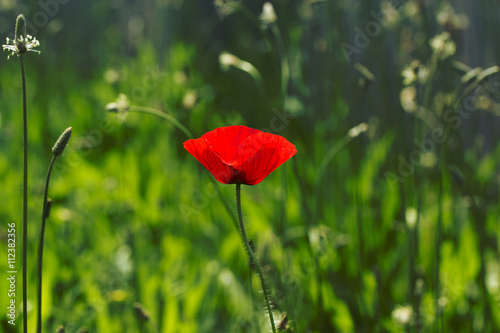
x=480 y=77
x=285 y=64
x=40 y=247
x=163 y=115
x=253 y=256
x=228 y=209
x=439 y=232
x=169 y=118
x=283 y=216
x=250 y=288
x=418 y=177
x=330 y=154
x=428 y=87
x=25 y=199
x=285 y=68
x=153 y=325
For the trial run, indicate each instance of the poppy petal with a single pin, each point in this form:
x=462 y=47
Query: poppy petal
x=260 y=155
x=211 y=160
x=227 y=140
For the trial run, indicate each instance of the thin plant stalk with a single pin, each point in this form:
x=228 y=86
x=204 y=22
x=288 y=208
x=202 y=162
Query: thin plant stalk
x=283 y=215
x=21 y=44
x=430 y=80
x=163 y=115
x=330 y=154
x=250 y=287
x=276 y=37
x=439 y=231
x=253 y=256
x=40 y=246
x=144 y=317
x=57 y=150
x=418 y=177
x=359 y=201
x=175 y=122
x=285 y=64
x=25 y=198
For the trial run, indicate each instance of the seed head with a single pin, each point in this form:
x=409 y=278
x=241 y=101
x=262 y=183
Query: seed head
x=443 y=46
x=120 y=105
x=20 y=34
x=62 y=142
x=268 y=16
x=402 y=315
x=22 y=42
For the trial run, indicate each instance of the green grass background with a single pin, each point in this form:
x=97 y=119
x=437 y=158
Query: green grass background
x=137 y=219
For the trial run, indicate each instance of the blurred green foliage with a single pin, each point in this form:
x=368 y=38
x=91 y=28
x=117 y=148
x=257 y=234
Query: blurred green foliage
x=354 y=248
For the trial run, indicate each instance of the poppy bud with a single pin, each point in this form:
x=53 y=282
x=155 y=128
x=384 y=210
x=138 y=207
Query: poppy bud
x=61 y=142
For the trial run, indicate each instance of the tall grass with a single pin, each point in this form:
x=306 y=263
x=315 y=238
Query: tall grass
x=353 y=252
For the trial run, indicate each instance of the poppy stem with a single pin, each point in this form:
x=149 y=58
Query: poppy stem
x=253 y=256
x=40 y=246
x=25 y=199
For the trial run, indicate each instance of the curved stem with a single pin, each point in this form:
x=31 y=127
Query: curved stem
x=40 y=247
x=169 y=118
x=174 y=121
x=338 y=146
x=280 y=47
x=253 y=256
x=328 y=158
x=428 y=87
x=163 y=115
x=480 y=77
x=25 y=199
x=285 y=64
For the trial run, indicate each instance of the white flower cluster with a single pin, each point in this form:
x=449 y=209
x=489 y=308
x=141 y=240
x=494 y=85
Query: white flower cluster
x=22 y=45
x=443 y=46
x=402 y=315
x=415 y=72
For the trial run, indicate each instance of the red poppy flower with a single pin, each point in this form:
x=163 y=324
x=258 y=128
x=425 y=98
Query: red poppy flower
x=240 y=154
